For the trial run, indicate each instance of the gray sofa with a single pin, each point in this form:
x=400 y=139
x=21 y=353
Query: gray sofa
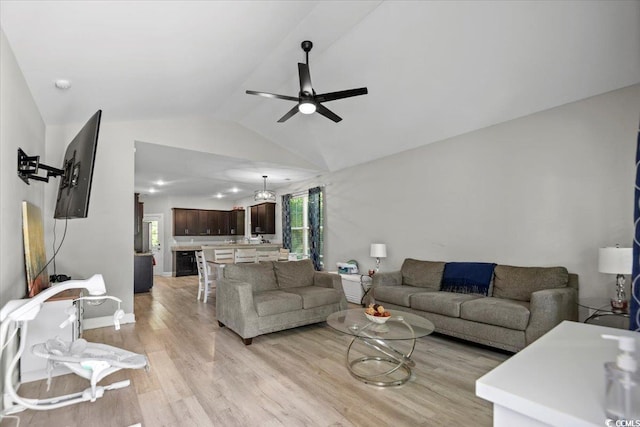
x=521 y=305
x=258 y=298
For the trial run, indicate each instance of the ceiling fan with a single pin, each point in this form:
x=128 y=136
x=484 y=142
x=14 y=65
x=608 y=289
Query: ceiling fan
x=308 y=101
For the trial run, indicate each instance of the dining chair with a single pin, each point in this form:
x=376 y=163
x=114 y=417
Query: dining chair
x=204 y=279
x=268 y=255
x=246 y=255
x=221 y=257
x=283 y=254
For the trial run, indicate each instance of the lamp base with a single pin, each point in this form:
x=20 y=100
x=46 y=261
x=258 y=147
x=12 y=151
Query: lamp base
x=619 y=304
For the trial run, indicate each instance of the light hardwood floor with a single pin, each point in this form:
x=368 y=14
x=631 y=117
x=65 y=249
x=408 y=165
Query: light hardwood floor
x=203 y=375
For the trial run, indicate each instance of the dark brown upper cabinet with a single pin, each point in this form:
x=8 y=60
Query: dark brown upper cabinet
x=263 y=218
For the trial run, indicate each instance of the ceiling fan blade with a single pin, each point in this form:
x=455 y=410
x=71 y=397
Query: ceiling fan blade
x=332 y=96
x=327 y=113
x=290 y=114
x=273 y=95
x=305 y=79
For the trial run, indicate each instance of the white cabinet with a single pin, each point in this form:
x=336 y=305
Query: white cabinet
x=354 y=286
x=46 y=326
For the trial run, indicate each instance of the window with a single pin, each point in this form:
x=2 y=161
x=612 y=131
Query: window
x=300 y=226
x=300 y=241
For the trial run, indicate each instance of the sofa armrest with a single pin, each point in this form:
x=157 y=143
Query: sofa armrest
x=327 y=280
x=548 y=308
x=235 y=307
x=392 y=278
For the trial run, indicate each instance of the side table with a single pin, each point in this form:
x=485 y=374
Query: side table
x=356 y=286
x=601 y=313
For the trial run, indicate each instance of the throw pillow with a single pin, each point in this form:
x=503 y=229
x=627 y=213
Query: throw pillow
x=467 y=277
x=519 y=282
x=423 y=274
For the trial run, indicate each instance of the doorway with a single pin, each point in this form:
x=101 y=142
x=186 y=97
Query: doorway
x=156 y=239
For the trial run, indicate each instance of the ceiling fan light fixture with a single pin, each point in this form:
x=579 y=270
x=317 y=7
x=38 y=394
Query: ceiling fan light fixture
x=264 y=195
x=307 y=107
x=308 y=101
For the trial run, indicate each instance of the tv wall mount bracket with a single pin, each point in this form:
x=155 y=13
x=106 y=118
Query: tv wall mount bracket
x=29 y=167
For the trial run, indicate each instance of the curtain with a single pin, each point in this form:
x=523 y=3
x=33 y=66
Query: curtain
x=286 y=221
x=634 y=313
x=315 y=226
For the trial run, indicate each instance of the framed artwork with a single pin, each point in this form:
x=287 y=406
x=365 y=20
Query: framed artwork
x=35 y=256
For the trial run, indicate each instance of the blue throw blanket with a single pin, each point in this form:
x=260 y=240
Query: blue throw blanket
x=467 y=277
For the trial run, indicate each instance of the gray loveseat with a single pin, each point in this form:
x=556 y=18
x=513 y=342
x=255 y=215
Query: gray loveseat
x=521 y=304
x=258 y=298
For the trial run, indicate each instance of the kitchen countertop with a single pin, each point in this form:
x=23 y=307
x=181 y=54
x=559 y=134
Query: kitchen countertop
x=195 y=247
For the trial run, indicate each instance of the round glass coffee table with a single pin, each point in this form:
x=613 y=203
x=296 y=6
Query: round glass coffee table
x=380 y=354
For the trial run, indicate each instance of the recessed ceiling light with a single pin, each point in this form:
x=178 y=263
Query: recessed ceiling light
x=152 y=190
x=235 y=189
x=160 y=182
x=219 y=195
x=63 y=84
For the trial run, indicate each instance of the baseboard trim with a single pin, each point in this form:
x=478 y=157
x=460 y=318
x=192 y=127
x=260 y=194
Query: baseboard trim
x=106 y=321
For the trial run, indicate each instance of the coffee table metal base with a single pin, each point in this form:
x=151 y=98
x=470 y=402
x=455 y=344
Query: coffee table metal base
x=394 y=367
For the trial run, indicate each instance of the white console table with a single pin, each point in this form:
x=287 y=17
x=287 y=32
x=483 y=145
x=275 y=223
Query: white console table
x=46 y=326
x=558 y=380
x=355 y=286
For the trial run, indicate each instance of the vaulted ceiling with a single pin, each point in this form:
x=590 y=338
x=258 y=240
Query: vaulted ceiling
x=434 y=69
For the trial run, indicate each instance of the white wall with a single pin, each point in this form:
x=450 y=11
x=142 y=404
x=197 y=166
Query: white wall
x=21 y=126
x=546 y=189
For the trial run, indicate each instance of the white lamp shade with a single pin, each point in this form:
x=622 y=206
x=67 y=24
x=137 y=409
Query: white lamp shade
x=615 y=260
x=378 y=250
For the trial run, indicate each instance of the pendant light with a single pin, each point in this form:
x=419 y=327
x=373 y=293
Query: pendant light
x=265 y=195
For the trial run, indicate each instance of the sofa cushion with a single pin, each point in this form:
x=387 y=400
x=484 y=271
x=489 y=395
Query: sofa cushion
x=294 y=274
x=509 y=314
x=276 y=302
x=260 y=275
x=467 y=277
x=423 y=274
x=398 y=295
x=519 y=282
x=445 y=303
x=316 y=296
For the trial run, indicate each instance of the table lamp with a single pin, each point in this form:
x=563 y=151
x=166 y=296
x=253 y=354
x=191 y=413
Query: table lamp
x=616 y=261
x=378 y=250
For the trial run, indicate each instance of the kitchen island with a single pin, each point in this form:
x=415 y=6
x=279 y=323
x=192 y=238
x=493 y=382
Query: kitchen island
x=184 y=254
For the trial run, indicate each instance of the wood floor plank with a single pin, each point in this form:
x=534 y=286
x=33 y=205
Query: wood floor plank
x=203 y=375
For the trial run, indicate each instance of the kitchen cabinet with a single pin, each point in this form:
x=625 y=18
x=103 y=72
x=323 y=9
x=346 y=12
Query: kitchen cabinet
x=213 y=223
x=142 y=273
x=204 y=222
x=185 y=263
x=220 y=223
x=236 y=223
x=263 y=218
x=186 y=222
x=138 y=212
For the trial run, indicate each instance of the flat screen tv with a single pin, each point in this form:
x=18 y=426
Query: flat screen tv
x=75 y=184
